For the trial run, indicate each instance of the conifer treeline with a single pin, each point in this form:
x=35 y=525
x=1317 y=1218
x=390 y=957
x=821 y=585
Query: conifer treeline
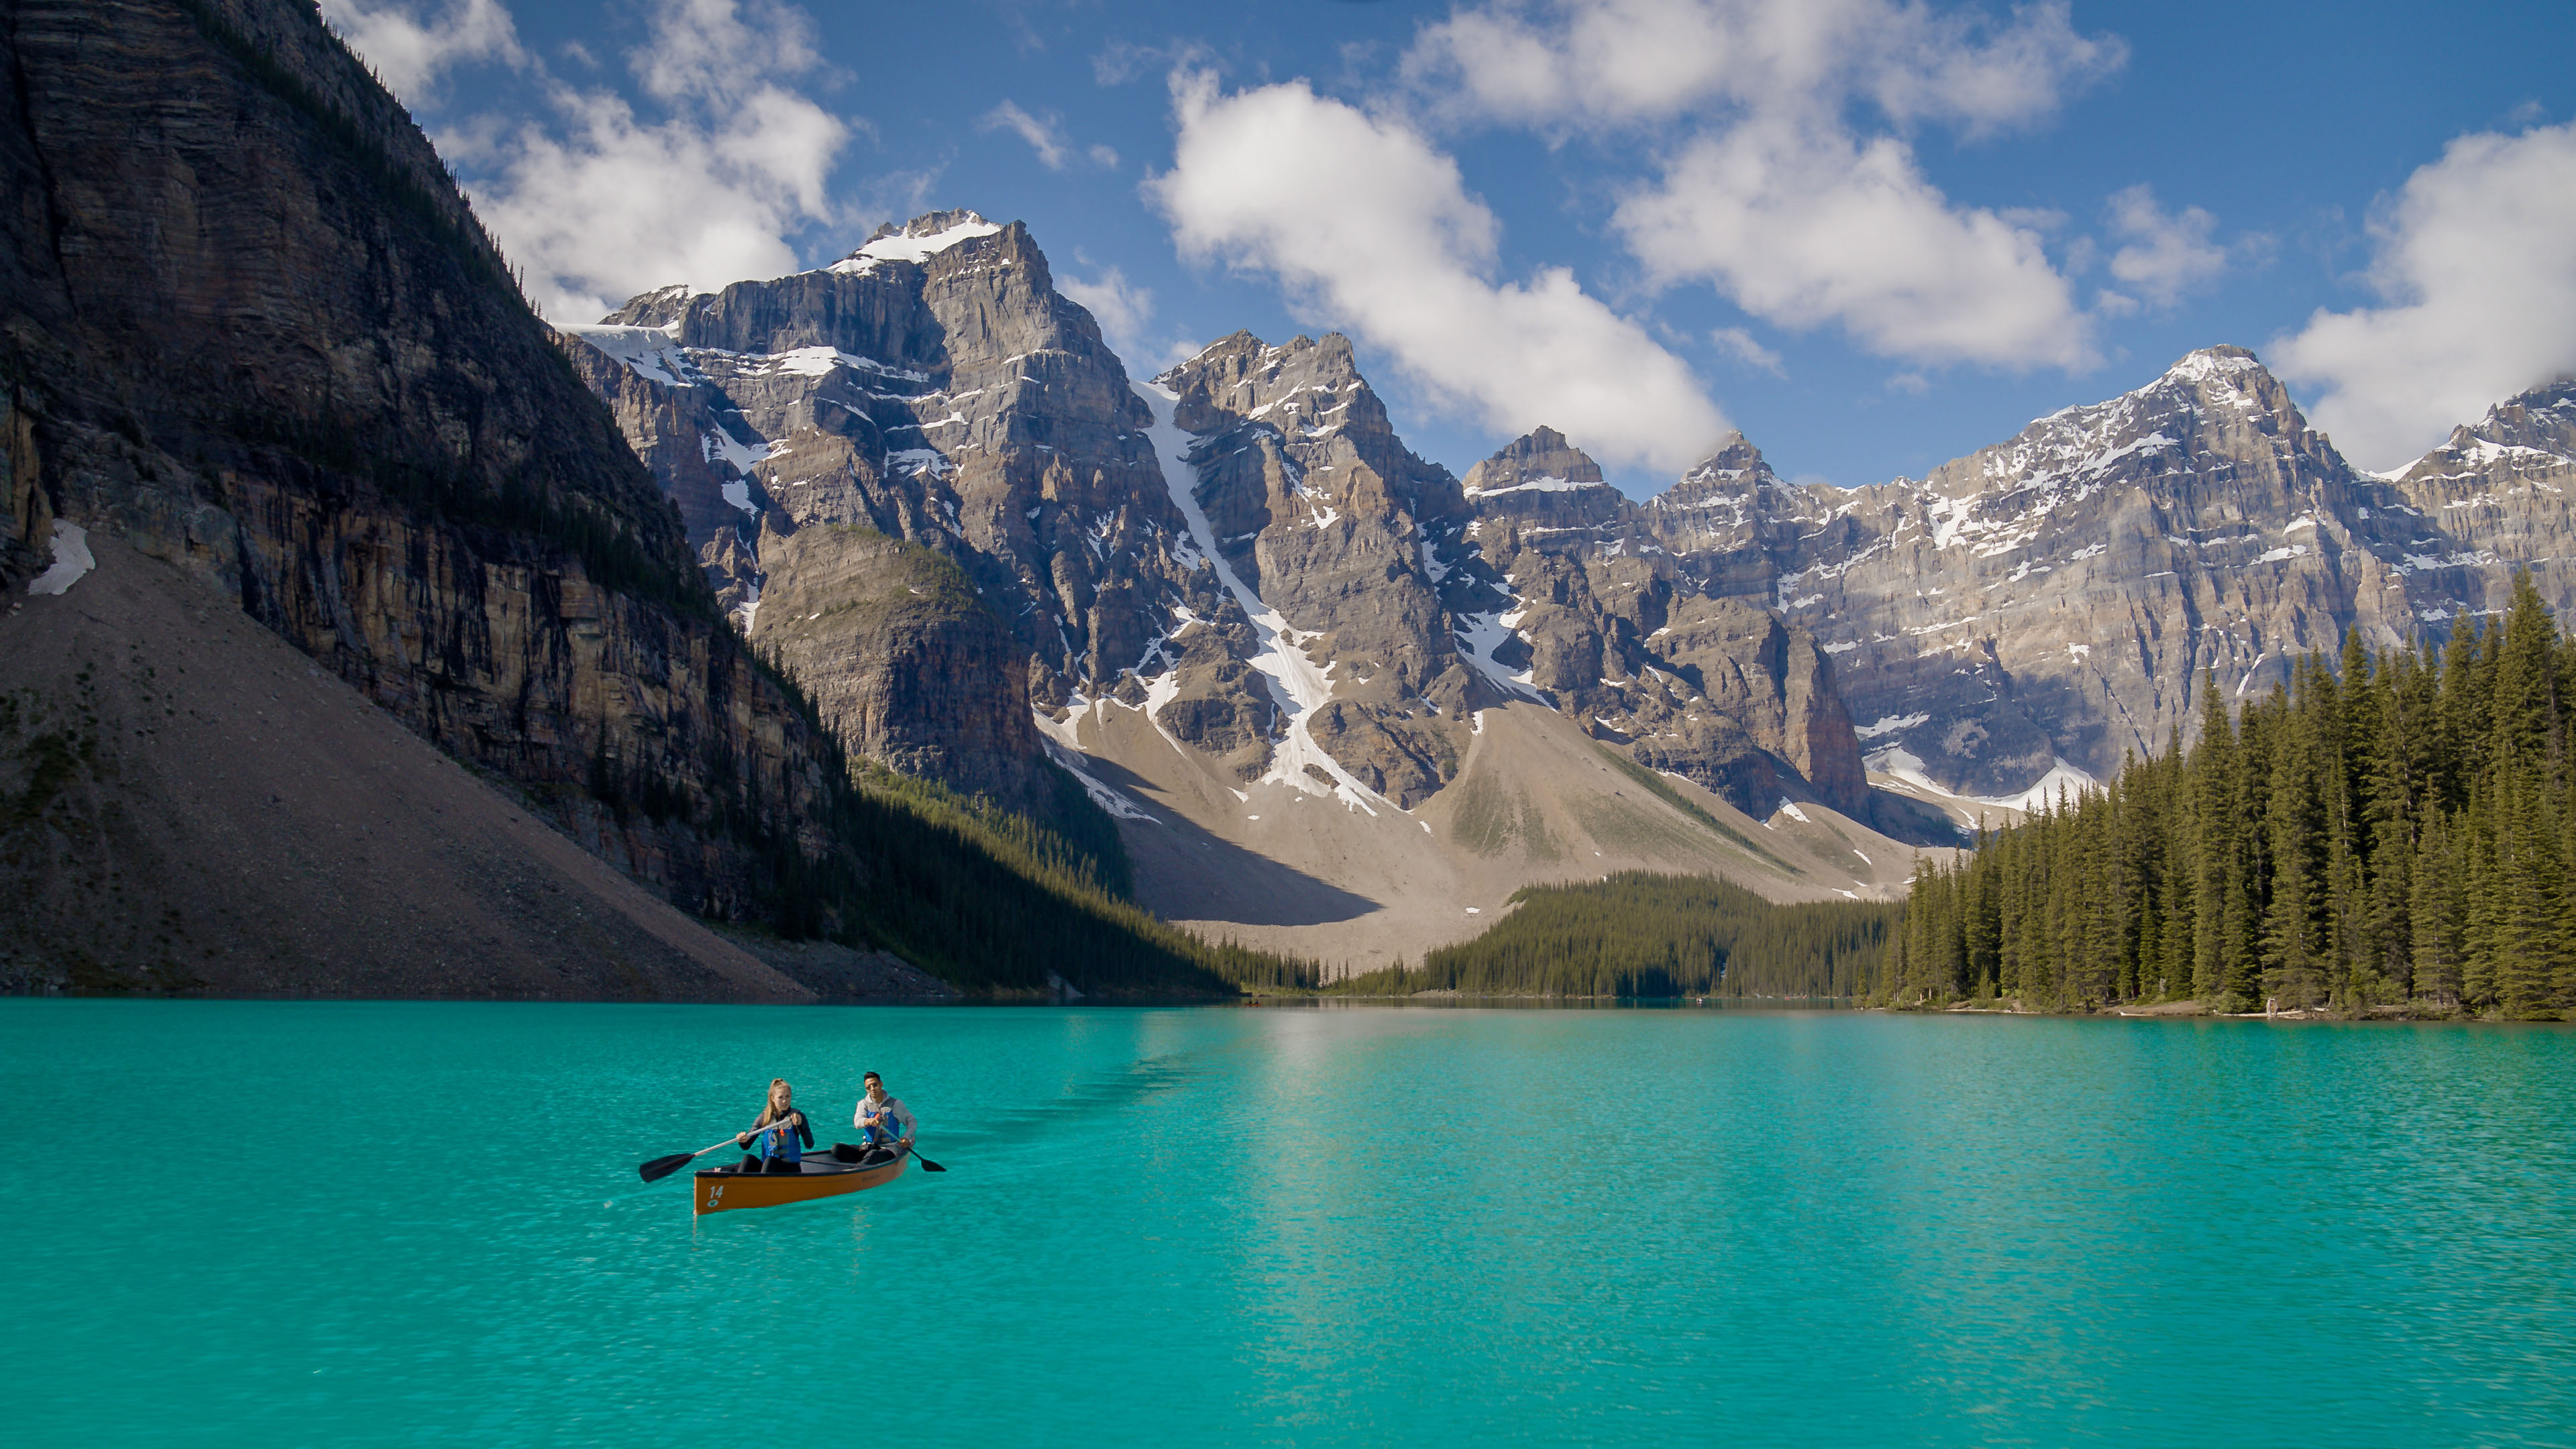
x=2396 y=831
x=1637 y=934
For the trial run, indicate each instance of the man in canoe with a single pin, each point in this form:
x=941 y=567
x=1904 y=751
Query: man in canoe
x=777 y=1131
x=883 y=1121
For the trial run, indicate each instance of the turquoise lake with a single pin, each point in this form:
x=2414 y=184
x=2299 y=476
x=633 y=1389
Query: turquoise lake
x=344 y=1223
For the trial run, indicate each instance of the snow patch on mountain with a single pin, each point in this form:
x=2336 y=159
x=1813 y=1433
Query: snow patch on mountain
x=1479 y=635
x=72 y=560
x=2062 y=779
x=1297 y=685
x=1537 y=485
x=651 y=353
x=1065 y=750
x=907 y=246
x=1891 y=724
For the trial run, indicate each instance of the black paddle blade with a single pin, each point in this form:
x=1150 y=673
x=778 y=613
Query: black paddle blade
x=662 y=1167
x=926 y=1164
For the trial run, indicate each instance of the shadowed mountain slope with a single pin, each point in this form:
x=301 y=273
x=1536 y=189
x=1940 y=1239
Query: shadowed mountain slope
x=251 y=332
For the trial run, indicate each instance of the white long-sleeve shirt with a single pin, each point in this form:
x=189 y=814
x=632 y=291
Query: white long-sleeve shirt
x=890 y=1116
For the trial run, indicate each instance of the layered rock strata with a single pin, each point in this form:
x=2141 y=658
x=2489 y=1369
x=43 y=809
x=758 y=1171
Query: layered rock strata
x=251 y=328
x=1615 y=629
x=2027 y=615
x=932 y=387
x=2498 y=496
x=1317 y=506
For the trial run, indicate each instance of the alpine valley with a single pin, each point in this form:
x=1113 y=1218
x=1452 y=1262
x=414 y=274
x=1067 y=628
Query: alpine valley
x=737 y=604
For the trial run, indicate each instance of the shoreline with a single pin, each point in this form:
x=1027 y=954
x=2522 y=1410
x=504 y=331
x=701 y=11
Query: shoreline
x=2192 y=1010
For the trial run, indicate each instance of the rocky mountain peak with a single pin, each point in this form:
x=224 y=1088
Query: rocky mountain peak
x=934 y=223
x=1733 y=475
x=920 y=239
x=1541 y=459
x=1307 y=382
x=934 y=389
x=2542 y=420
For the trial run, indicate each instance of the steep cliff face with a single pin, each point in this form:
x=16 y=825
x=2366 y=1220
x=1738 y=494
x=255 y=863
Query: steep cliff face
x=1317 y=506
x=2498 y=496
x=251 y=328
x=901 y=658
x=1617 y=630
x=931 y=387
x=2029 y=613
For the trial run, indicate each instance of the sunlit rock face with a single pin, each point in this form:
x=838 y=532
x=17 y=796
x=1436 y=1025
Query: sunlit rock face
x=1315 y=504
x=2032 y=612
x=2014 y=623
x=932 y=388
x=2498 y=496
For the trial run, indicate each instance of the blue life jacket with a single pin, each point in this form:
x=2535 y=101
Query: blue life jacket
x=779 y=1141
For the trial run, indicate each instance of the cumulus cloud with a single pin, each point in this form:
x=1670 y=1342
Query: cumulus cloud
x=2475 y=261
x=2162 y=255
x=1773 y=191
x=1372 y=230
x=1621 y=61
x=1123 y=309
x=409 y=50
x=1740 y=345
x=599 y=202
x=1045 y=137
x=1805 y=228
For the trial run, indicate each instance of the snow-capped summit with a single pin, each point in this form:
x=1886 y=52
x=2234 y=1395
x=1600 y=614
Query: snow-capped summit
x=1540 y=461
x=917 y=240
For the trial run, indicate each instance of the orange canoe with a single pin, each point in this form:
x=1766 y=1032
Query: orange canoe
x=723 y=1192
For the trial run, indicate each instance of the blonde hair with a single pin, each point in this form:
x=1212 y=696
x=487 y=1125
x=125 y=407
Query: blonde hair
x=770 y=1110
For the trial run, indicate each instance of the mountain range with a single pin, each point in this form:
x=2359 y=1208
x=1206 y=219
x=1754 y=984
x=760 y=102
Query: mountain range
x=662 y=587
x=1238 y=593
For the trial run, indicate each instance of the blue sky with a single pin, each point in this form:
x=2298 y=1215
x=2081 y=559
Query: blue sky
x=1871 y=235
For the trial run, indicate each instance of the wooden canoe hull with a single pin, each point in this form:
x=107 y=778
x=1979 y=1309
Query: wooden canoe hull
x=724 y=1192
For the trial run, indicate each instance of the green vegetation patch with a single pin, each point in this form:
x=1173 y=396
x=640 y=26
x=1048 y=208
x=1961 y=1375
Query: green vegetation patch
x=1639 y=934
x=2389 y=834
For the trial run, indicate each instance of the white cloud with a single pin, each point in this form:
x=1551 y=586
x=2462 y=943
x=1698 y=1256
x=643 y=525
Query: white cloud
x=1740 y=345
x=603 y=203
x=1622 y=61
x=1372 y=230
x=1804 y=228
x=1122 y=308
x=2475 y=259
x=2163 y=255
x=1045 y=137
x=1771 y=191
x=408 y=51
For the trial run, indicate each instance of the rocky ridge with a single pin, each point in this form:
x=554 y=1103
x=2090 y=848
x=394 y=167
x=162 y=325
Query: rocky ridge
x=2019 y=620
x=933 y=388
x=1614 y=627
x=1244 y=554
x=1295 y=595
x=2498 y=495
x=251 y=330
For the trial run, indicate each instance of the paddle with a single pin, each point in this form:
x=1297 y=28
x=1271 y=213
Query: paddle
x=662 y=1167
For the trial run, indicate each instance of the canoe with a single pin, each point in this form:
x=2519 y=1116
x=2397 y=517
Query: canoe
x=724 y=1192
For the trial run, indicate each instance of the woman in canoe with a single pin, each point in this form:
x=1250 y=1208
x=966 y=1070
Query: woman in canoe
x=882 y=1121
x=777 y=1131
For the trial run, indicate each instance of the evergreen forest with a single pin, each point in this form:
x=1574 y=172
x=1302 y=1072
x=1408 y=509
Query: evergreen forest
x=2389 y=833
x=1638 y=934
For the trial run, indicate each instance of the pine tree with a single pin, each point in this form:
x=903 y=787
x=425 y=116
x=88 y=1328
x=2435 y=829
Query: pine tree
x=2216 y=885
x=2293 y=965
x=2437 y=916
